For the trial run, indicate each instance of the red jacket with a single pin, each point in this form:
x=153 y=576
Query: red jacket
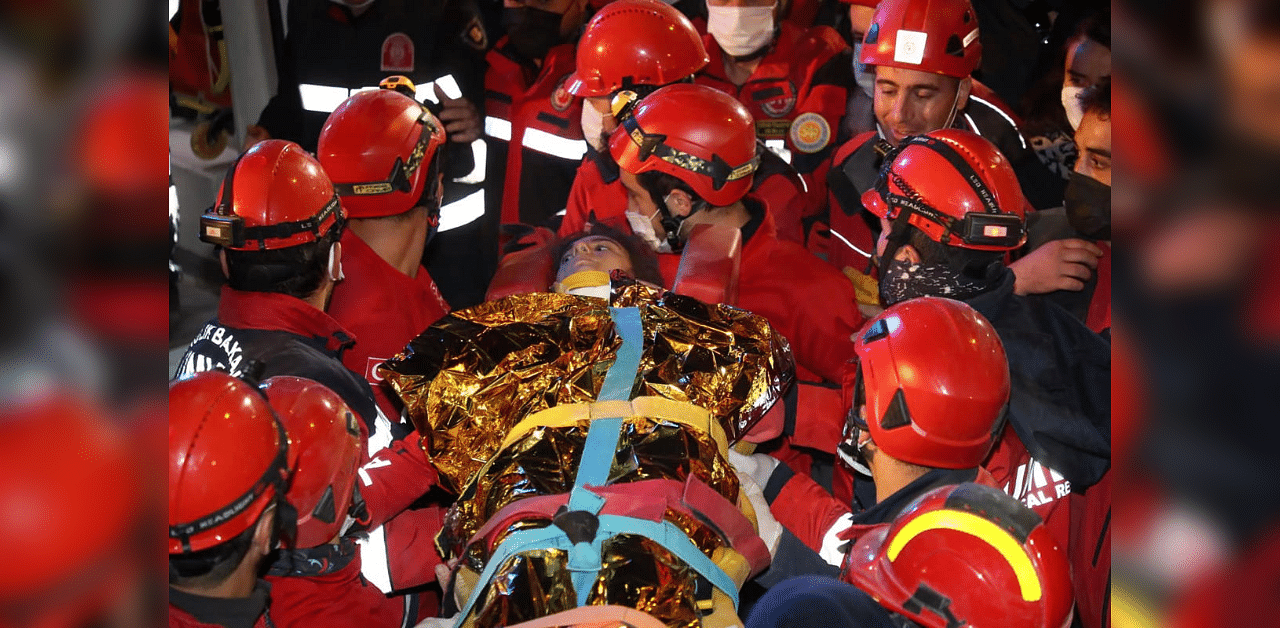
x=812 y=306
x=796 y=95
x=533 y=128
x=338 y=597
x=399 y=553
x=384 y=308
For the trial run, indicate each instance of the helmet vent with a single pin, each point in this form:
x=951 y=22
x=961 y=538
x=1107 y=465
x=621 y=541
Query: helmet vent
x=968 y=17
x=954 y=47
x=325 y=510
x=872 y=36
x=896 y=415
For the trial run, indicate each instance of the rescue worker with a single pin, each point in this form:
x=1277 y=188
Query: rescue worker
x=229 y=466
x=687 y=157
x=332 y=49
x=1081 y=229
x=793 y=80
x=277 y=223
x=318 y=581
x=532 y=122
x=923 y=53
x=949 y=207
x=382 y=150
x=908 y=434
x=637 y=46
x=962 y=555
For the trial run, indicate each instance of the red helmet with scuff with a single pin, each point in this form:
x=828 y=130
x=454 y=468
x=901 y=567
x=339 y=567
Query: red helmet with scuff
x=378 y=147
x=635 y=42
x=956 y=187
x=695 y=133
x=935 y=36
x=933 y=377
x=325 y=439
x=274 y=196
x=965 y=555
x=228 y=460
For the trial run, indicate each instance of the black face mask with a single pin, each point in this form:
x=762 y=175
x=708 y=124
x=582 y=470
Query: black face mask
x=532 y=32
x=1088 y=205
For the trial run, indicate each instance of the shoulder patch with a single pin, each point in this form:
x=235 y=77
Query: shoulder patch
x=561 y=99
x=810 y=132
x=397 y=53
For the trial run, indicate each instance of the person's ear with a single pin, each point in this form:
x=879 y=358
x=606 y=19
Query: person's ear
x=222 y=259
x=264 y=533
x=335 y=262
x=679 y=203
x=907 y=253
x=962 y=93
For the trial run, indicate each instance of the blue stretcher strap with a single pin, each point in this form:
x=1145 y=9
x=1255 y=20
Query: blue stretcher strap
x=621 y=378
x=552 y=537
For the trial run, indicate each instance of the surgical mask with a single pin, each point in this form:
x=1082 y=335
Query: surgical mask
x=593 y=127
x=740 y=31
x=864 y=76
x=532 y=32
x=642 y=226
x=1088 y=206
x=1072 y=105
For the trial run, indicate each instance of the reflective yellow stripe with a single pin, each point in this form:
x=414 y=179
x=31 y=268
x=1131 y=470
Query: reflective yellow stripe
x=974 y=525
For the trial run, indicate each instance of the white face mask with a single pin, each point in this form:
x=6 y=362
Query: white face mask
x=865 y=77
x=740 y=31
x=593 y=127
x=642 y=226
x=1071 y=103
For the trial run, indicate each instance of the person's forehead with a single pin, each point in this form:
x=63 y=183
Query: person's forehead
x=910 y=79
x=599 y=238
x=1089 y=57
x=741 y=3
x=1094 y=132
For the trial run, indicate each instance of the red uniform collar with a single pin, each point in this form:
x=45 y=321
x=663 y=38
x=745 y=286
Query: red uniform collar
x=270 y=311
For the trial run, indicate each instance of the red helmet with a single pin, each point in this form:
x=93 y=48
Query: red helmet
x=371 y=134
x=937 y=36
x=76 y=505
x=274 y=196
x=695 y=133
x=228 y=459
x=934 y=378
x=326 y=440
x=966 y=555
x=954 y=186
x=636 y=42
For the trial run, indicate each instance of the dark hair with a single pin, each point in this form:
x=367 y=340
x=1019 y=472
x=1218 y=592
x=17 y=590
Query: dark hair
x=211 y=567
x=297 y=271
x=969 y=262
x=644 y=262
x=1097 y=99
x=1097 y=27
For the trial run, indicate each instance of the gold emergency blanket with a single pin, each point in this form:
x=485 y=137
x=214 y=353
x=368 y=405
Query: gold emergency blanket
x=544 y=462
x=473 y=375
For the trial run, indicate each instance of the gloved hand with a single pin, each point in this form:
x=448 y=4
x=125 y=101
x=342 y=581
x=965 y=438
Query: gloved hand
x=749 y=468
